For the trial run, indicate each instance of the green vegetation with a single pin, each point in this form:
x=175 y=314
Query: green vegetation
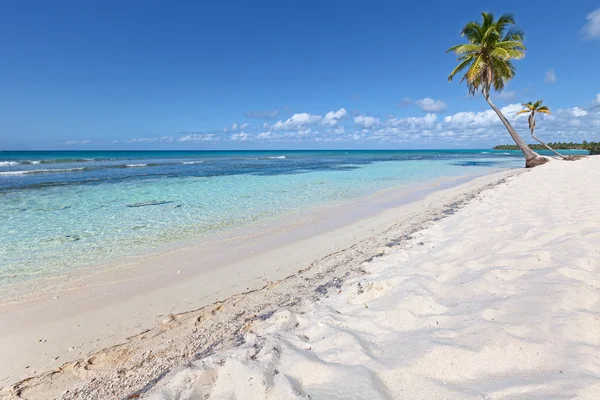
x=592 y=147
x=488 y=58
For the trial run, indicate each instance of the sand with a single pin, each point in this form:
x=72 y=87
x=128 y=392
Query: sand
x=487 y=289
x=499 y=300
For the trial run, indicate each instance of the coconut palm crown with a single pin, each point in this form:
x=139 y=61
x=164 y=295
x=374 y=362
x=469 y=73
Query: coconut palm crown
x=532 y=108
x=487 y=58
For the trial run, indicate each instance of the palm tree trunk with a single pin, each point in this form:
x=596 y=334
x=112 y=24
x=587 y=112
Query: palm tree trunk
x=546 y=146
x=532 y=159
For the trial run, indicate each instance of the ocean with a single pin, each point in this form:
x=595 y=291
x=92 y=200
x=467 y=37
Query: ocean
x=66 y=210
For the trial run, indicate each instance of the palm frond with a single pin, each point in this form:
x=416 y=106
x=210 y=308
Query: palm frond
x=506 y=19
x=488 y=20
x=490 y=34
x=472 y=31
x=499 y=52
x=516 y=54
x=511 y=45
x=543 y=110
x=475 y=70
x=501 y=68
x=460 y=67
x=514 y=34
x=463 y=48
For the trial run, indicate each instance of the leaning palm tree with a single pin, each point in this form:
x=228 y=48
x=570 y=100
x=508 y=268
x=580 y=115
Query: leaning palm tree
x=531 y=109
x=487 y=58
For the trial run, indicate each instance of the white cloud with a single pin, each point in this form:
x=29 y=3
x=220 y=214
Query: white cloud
x=426 y=121
x=482 y=119
x=144 y=140
x=198 y=137
x=236 y=127
x=302 y=120
x=304 y=132
x=333 y=117
x=469 y=118
x=466 y=129
x=242 y=136
x=550 y=76
x=511 y=110
x=297 y=121
x=337 y=130
x=591 y=30
x=462 y=129
x=366 y=121
x=431 y=105
x=578 y=112
x=265 y=135
x=573 y=124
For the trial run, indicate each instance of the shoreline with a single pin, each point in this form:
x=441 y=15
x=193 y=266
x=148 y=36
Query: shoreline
x=367 y=234
x=106 y=272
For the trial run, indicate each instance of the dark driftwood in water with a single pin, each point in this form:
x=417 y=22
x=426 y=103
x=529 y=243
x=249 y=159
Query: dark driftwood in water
x=150 y=203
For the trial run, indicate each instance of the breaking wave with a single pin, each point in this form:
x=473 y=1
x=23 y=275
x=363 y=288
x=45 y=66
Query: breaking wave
x=41 y=171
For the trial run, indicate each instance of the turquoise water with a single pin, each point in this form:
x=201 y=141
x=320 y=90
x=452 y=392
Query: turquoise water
x=69 y=210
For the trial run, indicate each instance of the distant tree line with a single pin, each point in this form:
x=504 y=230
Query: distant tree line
x=592 y=147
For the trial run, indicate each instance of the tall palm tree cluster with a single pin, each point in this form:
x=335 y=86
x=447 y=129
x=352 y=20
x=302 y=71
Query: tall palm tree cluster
x=487 y=62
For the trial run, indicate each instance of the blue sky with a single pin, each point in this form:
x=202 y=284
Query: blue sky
x=280 y=74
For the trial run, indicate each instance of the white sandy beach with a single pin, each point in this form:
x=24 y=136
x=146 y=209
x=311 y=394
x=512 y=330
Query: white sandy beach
x=500 y=300
x=484 y=290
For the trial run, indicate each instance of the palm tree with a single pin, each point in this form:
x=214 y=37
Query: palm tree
x=531 y=109
x=493 y=44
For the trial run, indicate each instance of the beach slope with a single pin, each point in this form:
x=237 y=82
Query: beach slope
x=499 y=300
